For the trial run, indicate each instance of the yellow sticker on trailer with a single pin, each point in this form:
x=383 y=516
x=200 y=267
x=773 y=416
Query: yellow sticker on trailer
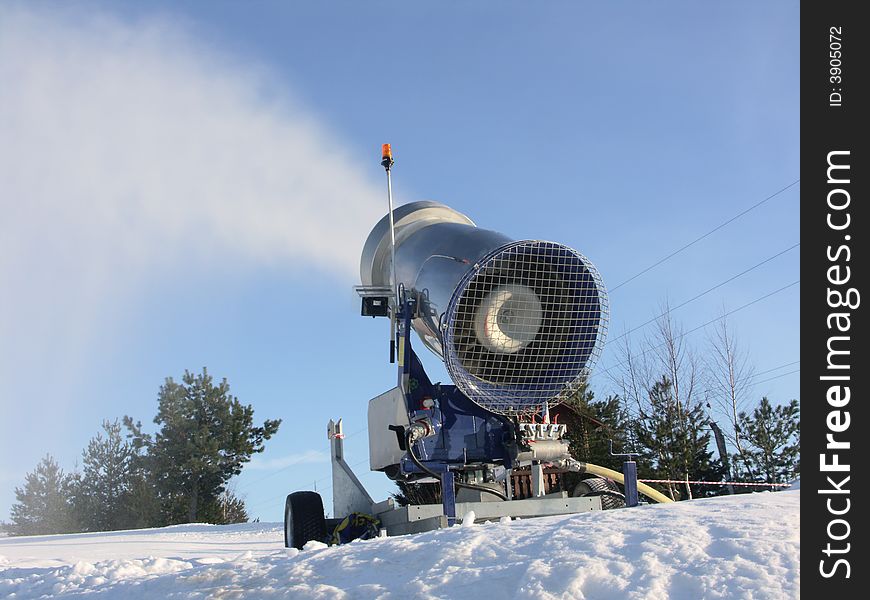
x=401 y=351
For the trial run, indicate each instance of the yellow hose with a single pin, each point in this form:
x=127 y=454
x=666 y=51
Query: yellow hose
x=643 y=488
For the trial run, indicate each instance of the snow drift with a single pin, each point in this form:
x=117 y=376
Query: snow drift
x=736 y=547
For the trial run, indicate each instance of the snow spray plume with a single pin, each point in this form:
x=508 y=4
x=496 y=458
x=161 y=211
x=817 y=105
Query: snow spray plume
x=131 y=154
x=127 y=150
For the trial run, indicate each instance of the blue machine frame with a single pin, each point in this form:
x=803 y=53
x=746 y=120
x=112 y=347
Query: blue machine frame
x=466 y=434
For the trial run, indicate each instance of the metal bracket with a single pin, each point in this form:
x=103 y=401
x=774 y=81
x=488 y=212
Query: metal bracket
x=348 y=494
x=365 y=291
x=628 y=455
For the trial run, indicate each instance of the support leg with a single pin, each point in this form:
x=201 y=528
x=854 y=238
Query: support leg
x=448 y=497
x=537 y=479
x=629 y=470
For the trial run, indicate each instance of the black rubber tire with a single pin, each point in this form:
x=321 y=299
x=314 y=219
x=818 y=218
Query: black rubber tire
x=608 y=490
x=303 y=519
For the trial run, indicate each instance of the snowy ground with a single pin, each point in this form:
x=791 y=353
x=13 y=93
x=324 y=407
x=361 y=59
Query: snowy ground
x=739 y=547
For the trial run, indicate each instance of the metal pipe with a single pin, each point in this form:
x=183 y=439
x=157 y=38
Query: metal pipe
x=392 y=240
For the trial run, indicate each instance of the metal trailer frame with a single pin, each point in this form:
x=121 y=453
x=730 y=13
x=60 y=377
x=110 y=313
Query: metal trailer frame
x=349 y=496
x=444 y=452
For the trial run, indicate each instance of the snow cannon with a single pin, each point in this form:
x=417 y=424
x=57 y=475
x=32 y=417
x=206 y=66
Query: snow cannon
x=518 y=324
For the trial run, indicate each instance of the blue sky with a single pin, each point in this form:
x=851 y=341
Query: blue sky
x=189 y=184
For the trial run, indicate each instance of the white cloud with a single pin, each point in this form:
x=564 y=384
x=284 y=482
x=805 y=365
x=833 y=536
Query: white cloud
x=271 y=464
x=129 y=149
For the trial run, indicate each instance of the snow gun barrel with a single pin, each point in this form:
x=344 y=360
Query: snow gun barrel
x=518 y=324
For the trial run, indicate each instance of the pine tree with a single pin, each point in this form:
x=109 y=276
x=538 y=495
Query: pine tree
x=44 y=504
x=676 y=440
x=104 y=490
x=773 y=434
x=655 y=431
x=205 y=436
x=591 y=426
x=699 y=453
x=143 y=504
x=226 y=509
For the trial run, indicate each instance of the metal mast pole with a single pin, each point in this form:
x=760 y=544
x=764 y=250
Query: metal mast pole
x=387 y=162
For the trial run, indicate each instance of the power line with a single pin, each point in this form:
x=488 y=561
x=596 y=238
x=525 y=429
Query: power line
x=271 y=474
x=274 y=499
x=721 y=386
x=771 y=370
x=279 y=498
x=759 y=374
x=776 y=368
x=634 y=414
x=290 y=466
x=701 y=326
x=704 y=293
x=696 y=240
x=777 y=376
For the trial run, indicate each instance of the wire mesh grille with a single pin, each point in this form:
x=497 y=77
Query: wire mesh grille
x=525 y=326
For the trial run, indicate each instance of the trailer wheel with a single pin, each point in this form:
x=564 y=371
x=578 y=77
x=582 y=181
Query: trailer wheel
x=303 y=519
x=609 y=492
